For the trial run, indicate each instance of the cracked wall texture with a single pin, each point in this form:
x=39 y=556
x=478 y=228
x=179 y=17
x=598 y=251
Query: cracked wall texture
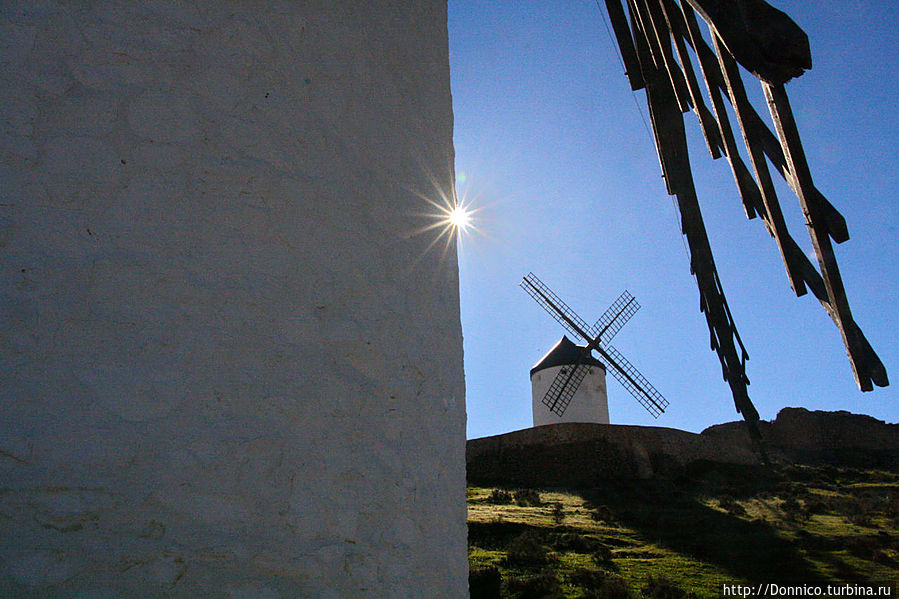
x=230 y=364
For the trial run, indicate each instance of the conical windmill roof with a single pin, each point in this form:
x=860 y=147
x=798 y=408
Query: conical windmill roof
x=565 y=352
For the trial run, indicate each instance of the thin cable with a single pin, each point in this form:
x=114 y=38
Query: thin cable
x=617 y=51
x=683 y=237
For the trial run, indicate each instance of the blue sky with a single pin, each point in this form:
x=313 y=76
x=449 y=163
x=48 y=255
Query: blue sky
x=554 y=152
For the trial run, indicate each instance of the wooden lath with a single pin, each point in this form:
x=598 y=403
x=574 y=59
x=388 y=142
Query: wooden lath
x=654 y=37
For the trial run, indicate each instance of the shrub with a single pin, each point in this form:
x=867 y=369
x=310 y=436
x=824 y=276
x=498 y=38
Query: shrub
x=526 y=550
x=788 y=489
x=542 y=586
x=499 y=497
x=793 y=510
x=860 y=518
x=588 y=578
x=891 y=510
x=602 y=513
x=558 y=513
x=865 y=547
x=613 y=587
x=730 y=505
x=817 y=506
x=659 y=587
x=572 y=541
x=528 y=497
x=602 y=556
x=485 y=583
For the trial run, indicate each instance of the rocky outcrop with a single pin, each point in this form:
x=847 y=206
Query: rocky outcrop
x=583 y=455
x=837 y=438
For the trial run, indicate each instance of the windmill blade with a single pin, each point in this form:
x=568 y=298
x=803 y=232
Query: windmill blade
x=565 y=385
x=556 y=308
x=631 y=379
x=615 y=317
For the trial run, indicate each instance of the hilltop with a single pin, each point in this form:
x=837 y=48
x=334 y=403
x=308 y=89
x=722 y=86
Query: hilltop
x=624 y=512
x=577 y=455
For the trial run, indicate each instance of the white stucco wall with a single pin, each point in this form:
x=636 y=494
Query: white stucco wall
x=228 y=368
x=589 y=404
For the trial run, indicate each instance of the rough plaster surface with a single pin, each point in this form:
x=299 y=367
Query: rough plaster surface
x=228 y=368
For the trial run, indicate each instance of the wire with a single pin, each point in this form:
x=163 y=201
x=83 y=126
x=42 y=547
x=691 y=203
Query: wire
x=617 y=51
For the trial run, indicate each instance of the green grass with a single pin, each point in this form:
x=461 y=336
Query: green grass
x=715 y=526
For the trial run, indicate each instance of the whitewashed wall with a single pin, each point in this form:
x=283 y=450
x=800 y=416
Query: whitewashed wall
x=227 y=366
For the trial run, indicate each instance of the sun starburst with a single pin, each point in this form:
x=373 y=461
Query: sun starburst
x=459 y=217
x=450 y=218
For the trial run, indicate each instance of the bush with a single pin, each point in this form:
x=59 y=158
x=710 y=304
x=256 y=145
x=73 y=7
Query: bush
x=499 y=497
x=602 y=556
x=817 y=506
x=602 y=513
x=865 y=547
x=891 y=510
x=793 y=510
x=860 y=518
x=572 y=541
x=558 y=513
x=526 y=550
x=542 y=586
x=588 y=578
x=730 y=505
x=485 y=583
x=528 y=497
x=613 y=587
x=659 y=587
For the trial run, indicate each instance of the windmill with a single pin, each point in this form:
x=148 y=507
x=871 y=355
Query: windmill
x=597 y=337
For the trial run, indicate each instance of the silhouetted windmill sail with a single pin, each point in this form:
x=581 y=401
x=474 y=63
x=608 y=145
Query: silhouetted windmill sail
x=565 y=385
x=631 y=379
x=615 y=317
x=554 y=305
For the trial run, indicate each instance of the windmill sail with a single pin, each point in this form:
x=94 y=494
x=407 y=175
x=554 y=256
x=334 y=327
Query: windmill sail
x=564 y=386
x=554 y=305
x=631 y=379
x=615 y=317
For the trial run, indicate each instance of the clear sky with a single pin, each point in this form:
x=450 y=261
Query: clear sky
x=554 y=152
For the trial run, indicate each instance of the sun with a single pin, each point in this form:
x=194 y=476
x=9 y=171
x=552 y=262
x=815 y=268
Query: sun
x=459 y=217
x=450 y=218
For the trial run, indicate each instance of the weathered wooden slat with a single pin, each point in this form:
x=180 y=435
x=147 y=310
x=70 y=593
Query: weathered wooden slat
x=640 y=18
x=774 y=219
x=836 y=224
x=670 y=134
x=671 y=85
x=646 y=64
x=866 y=365
x=810 y=274
x=662 y=39
x=707 y=123
x=625 y=43
x=708 y=64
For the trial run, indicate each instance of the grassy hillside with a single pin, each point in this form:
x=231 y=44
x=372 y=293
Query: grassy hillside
x=666 y=539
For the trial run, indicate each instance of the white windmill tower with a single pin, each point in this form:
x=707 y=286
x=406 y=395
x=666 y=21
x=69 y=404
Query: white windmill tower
x=588 y=404
x=568 y=365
